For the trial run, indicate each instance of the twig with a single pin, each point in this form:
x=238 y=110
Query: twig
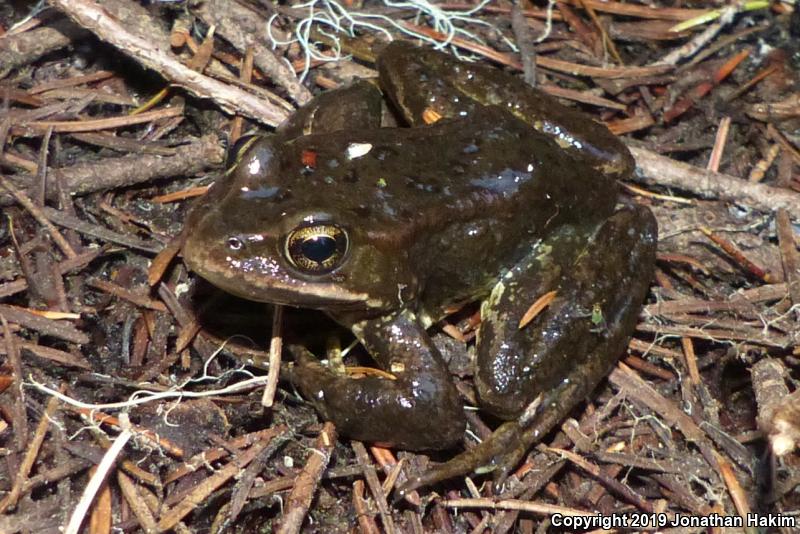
x=659 y=170
x=700 y=40
x=100 y=514
x=546 y=62
x=26 y=318
x=10 y=501
x=95 y=417
x=776 y=111
x=138 y=506
x=639 y=11
x=25 y=48
x=750 y=83
x=365 y=521
x=54 y=355
x=609 y=482
x=20 y=416
x=738 y=495
x=162 y=261
x=171 y=517
x=97 y=20
x=305 y=485
x=778 y=136
x=512 y=504
x=607 y=41
x=62 y=218
x=246 y=75
x=120 y=292
x=526 y=50
x=237 y=23
x=644 y=366
x=584 y=97
x=639 y=391
x=374 y=486
x=81 y=179
x=41 y=178
x=42 y=127
x=687 y=101
x=536 y=308
x=789 y=255
x=72 y=81
x=689 y=355
x=246 y=479
x=275 y=346
x=64 y=267
x=739 y=256
x=37 y=214
x=762 y=166
x=719 y=144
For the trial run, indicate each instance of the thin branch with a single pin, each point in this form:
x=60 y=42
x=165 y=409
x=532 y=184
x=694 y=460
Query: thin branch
x=233 y=100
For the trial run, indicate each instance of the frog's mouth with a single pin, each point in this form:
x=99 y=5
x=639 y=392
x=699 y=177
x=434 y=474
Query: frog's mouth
x=265 y=280
x=326 y=297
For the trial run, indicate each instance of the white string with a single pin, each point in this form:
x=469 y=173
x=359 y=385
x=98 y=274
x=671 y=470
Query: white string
x=330 y=16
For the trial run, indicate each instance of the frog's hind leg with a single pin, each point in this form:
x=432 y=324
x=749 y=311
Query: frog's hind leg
x=600 y=275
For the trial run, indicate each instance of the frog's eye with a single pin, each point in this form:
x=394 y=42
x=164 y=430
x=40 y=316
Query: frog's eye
x=236 y=151
x=316 y=249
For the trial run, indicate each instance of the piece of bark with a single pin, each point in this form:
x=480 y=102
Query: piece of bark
x=237 y=23
x=25 y=48
x=133 y=169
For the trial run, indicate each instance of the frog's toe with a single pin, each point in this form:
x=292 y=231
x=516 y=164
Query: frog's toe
x=497 y=451
x=387 y=412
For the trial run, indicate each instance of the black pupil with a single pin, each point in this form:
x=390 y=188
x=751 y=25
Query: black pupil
x=318 y=248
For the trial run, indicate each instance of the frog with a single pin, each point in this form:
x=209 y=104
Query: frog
x=486 y=190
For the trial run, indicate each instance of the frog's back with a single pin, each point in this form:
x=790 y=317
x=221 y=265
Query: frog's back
x=454 y=195
x=405 y=182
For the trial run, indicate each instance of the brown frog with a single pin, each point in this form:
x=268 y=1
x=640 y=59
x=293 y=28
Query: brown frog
x=505 y=196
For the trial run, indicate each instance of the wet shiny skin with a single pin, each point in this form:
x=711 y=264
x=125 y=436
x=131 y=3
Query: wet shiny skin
x=510 y=195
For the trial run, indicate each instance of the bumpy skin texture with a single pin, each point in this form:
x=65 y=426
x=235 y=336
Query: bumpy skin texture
x=505 y=198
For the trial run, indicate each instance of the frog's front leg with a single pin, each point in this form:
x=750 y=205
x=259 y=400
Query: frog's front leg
x=601 y=274
x=420 y=409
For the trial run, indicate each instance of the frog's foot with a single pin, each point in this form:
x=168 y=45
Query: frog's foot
x=418 y=410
